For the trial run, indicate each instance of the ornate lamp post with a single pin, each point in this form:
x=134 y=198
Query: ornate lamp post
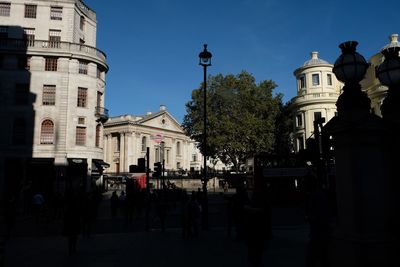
x=362 y=192
x=350 y=68
x=205 y=61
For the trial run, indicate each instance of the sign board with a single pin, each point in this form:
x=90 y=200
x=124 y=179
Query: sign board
x=158 y=138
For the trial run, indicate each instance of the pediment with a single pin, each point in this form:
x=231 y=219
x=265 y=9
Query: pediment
x=164 y=121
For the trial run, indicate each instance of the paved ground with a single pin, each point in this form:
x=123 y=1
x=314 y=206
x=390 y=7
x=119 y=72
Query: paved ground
x=117 y=244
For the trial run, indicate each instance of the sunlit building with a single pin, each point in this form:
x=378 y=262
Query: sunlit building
x=317 y=93
x=127 y=137
x=52 y=80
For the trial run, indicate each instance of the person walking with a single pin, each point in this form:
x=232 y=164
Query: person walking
x=72 y=222
x=114 y=201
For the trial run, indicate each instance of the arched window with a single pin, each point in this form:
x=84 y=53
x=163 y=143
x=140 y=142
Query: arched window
x=98 y=136
x=178 y=148
x=47 y=132
x=144 y=143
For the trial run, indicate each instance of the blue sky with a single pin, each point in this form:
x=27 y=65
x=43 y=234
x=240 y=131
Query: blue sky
x=152 y=46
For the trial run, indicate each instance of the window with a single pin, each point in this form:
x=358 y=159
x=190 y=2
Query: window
x=299 y=120
x=29 y=36
x=81 y=120
x=167 y=156
x=56 y=13
x=49 y=95
x=24 y=63
x=19 y=130
x=98 y=135
x=83 y=67
x=317 y=115
x=315 y=79
x=98 y=74
x=99 y=97
x=50 y=64
x=178 y=148
x=80 y=139
x=82 y=23
x=47 y=133
x=329 y=78
x=144 y=143
x=302 y=82
x=82 y=97
x=300 y=143
x=21 y=93
x=30 y=11
x=178 y=165
x=5 y=9
x=117 y=143
x=194 y=157
x=3 y=32
x=54 y=38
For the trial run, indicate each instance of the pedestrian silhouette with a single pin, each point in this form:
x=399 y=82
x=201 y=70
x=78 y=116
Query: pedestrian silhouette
x=72 y=225
x=114 y=201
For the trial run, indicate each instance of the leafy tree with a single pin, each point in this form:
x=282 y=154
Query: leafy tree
x=241 y=116
x=284 y=130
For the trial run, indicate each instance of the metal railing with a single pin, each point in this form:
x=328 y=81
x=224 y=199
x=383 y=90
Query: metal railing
x=26 y=45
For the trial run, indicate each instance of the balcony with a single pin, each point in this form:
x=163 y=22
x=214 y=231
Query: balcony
x=101 y=114
x=51 y=46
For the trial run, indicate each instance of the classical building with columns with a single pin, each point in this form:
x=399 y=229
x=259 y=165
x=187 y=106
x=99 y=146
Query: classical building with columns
x=52 y=96
x=317 y=93
x=127 y=137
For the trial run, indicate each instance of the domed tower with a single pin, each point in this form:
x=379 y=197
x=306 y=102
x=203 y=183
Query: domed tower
x=317 y=93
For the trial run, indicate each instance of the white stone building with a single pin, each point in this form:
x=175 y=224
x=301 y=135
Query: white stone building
x=127 y=137
x=52 y=78
x=317 y=93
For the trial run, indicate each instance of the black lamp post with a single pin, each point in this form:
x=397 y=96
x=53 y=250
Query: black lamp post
x=388 y=73
x=350 y=68
x=205 y=61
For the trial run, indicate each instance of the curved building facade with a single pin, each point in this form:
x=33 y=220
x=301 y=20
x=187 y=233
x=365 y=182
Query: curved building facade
x=317 y=93
x=53 y=86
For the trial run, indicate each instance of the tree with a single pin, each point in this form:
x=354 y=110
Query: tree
x=241 y=116
x=284 y=130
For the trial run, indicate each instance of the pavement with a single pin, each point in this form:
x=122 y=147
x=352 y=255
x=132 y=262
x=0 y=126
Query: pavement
x=115 y=243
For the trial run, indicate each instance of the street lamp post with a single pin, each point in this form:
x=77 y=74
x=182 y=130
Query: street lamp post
x=205 y=61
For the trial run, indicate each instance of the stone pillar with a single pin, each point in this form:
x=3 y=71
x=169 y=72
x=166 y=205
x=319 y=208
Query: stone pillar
x=360 y=236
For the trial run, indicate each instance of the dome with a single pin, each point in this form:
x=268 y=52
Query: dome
x=314 y=60
x=393 y=42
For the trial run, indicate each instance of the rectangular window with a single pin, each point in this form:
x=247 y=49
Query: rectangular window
x=30 y=11
x=317 y=115
x=315 y=79
x=49 y=95
x=194 y=157
x=21 y=93
x=82 y=23
x=117 y=143
x=50 y=64
x=56 y=13
x=82 y=97
x=302 y=82
x=300 y=143
x=5 y=9
x=83 y=67
x=3 y=32
x=54 y=38
x=80 y=136
x=29 y=36
x=81 y=120
x=329 y=77
x=98 y=74
x=299 y=120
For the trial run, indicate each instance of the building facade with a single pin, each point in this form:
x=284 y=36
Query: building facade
x=127 y=137
x=52 y=78
x=317 y=93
